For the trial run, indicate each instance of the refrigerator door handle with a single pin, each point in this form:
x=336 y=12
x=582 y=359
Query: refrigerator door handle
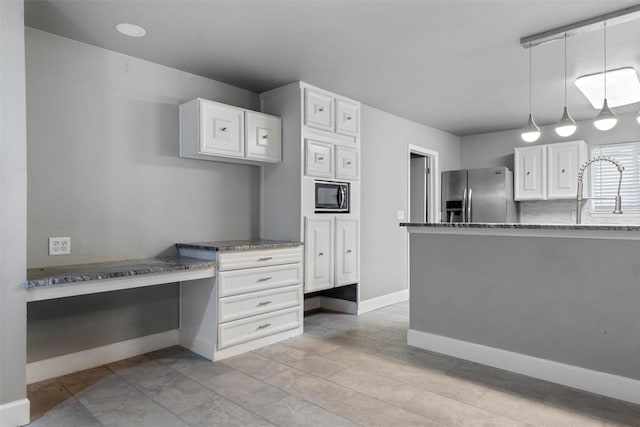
x=469 y=207
x=464 y=205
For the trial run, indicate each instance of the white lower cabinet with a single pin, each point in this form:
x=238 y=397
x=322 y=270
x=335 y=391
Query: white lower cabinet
x=331 y=252
x=256 y=299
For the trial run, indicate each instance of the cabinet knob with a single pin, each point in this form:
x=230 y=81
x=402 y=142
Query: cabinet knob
x=562 y=171
x=348 y=251
x=528 y=173
x=348 y=117
x=348 y=163
x=321 y=109
x=223 y=129
x=265 y=136
x=320 y=253
x=320 y=157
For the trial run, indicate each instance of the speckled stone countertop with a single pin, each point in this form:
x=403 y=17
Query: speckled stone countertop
x=238 y=245
x=109 y=270
x=514 y=226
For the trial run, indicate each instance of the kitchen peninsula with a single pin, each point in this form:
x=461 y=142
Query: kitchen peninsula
x=556 y=302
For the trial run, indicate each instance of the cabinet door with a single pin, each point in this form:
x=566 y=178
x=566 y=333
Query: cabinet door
x=347 y=163
x=319 y=159
x=263 y=137
x=347 y=118
x=563 y=162
x=346 y=251
x=221 y=129
x=531 y=173
x=318 y=111
x=318 y=247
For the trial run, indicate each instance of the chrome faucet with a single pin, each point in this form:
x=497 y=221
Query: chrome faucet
x=618 y=206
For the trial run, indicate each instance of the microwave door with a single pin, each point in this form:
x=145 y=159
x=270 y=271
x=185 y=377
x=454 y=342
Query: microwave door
x=327 y=197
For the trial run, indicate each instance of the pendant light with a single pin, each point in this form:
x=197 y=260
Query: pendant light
x=638 y=117
x=531 y=131
x=566 y=126
x=606 y=119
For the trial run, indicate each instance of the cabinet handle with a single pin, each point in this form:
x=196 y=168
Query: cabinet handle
x=347 y=117
x=264 y=279
x=562 y=171
x=266 y=325
x=320 y=157
x=265 y=259
x=223 y=129
x=320 y=253
x=264 y=303
x=348 y=251
x=528 y=173
x=321 y=109
x=348 y=163
x=265 y=136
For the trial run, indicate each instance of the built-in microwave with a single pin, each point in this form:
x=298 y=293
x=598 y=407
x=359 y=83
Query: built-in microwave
x=331 y=197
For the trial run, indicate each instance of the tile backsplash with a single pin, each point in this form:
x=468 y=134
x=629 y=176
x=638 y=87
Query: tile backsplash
x=564 y=212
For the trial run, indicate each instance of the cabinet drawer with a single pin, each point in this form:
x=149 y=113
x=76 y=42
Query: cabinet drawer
x=347 y=163
x=319 y=159
x=254 y=303
x=347 y=118
x=243 y=330
x=251 y=259
x=318 y=111
x=258 y=279
x=263 y=137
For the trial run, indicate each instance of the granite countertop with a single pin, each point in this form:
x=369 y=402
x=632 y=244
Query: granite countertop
x=109 y=270
x=515 y=226
x=238 y=245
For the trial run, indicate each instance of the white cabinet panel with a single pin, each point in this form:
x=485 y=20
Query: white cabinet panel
x=222 y=129
x=319 y=159
x=346 y=251
x=347 y=163
x=347 y=118
x=318 y=110
x=563 y=162
x=319 y=254
x=263 y=137
x=531 y=173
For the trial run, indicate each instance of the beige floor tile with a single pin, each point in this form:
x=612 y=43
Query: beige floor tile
x=46 y=395
x=307 y=362
x=377 y=386
x=78 y=381
x=293 y=411
x=255 y=365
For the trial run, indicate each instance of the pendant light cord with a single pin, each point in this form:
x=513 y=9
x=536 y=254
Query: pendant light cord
x=605 y=60
x=530 y=78
x=565 y=70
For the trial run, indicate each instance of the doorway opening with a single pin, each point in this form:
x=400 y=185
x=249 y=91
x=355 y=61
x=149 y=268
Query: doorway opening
x=423 y=186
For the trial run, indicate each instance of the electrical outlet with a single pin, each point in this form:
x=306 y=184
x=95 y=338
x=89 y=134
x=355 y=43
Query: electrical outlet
x=59 y=245
x=400 y=215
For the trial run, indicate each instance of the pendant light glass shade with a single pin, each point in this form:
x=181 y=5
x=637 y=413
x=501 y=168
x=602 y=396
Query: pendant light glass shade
x=566 y=126
x=531 y=132
x=606 y=119
x=638 y=117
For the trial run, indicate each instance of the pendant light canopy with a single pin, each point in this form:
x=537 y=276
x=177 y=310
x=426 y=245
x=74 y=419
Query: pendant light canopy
x=566 y=126
x=606 y=119
x=531 y=131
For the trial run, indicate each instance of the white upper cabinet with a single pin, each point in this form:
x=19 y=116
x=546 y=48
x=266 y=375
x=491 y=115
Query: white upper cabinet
x=264 y=137
x=347 y=118
x=346 y=251
x=318 y=110
x=347 y=163
x=318 y=248
x=221 y=129
x=530 y=164
x=319 y=159
x=213 y=131
x=564 y=161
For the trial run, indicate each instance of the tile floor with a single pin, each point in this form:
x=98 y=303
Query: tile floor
x=344 y=371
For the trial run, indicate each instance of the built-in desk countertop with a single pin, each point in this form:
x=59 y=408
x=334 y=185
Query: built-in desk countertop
x=81 y=279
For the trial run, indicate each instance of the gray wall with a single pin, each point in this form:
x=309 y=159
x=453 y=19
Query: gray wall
x=384 y=173
x=496 y=148
x=573 y=301
x=104 y=170
x=103 y=157
x=13 y=197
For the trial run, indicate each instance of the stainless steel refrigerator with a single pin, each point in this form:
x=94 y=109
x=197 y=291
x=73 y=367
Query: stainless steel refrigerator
x=478 y=195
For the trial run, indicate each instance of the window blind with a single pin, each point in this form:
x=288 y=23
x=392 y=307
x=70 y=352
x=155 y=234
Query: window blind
x=604 y=177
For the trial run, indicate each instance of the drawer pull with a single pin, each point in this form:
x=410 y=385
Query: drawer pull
x=264 y=303
x=264 y=279
x=223 y=129
x=266 y=325
x=265 y=258
x=320 y=253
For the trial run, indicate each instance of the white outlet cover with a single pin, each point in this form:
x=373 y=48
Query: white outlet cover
x=400 y=215
x=59 y=245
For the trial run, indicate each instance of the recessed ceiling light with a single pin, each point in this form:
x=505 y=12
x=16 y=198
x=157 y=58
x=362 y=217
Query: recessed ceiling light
x=623 y=87
x=131 y=30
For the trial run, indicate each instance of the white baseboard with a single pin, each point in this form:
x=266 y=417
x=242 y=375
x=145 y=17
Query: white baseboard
x=382 y=301
x=602 y=383
x=73 y=362
x=15 y=413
